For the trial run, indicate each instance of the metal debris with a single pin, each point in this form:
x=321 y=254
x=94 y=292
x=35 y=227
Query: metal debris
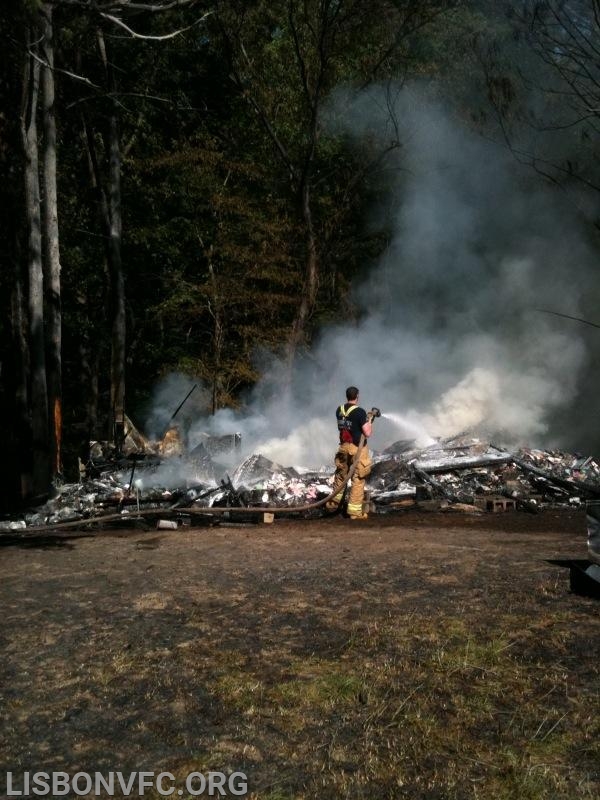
x=461 y=474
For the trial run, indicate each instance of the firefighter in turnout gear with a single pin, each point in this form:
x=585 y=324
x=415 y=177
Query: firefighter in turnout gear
x=353 y=421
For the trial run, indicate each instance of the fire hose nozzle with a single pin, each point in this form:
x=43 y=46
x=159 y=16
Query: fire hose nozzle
x=374 y=412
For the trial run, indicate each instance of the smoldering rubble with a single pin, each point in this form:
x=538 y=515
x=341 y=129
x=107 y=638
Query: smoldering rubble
x=154 y=482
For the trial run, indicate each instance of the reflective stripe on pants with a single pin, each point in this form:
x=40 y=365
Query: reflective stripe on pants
x=343 y=461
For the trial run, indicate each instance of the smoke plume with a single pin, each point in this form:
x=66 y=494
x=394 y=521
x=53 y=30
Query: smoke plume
x=450 y=337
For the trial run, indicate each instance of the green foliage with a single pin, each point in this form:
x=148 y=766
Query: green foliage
x=221 y=134
x=214 y=241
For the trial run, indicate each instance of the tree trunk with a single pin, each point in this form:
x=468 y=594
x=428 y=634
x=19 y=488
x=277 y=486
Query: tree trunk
x=15 y=422
x=38 y=390
x=115 y=266
x=117 y=371
x=53 y=287
x=88 y=366
x=310 y=288
x=21 y=433
x=218 y=336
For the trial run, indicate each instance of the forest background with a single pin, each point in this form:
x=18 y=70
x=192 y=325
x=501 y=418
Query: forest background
x=178 y=198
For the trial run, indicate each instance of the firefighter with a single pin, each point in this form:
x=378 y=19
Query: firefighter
x=353 y=421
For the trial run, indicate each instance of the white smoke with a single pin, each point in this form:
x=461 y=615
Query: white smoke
x=176 y=400
x=451 y=336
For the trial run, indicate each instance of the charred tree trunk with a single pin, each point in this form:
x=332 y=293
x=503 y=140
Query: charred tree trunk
x=37 y=378
x=53 y=268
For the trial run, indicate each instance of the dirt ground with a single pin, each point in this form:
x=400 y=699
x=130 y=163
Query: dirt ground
x=410 y=655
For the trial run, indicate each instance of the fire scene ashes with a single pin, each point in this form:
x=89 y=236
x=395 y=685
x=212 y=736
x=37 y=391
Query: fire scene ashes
x=164 y=485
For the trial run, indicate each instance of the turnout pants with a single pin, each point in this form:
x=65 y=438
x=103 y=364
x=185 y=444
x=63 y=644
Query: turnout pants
x=343 y=462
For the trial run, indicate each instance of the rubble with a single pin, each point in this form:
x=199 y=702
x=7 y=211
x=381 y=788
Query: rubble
x=460 y=474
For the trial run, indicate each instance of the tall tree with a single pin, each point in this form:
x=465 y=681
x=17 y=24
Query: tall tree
x=286 y=57
x=37 y=380
x=51 y=238
x=106 y=16
x=114 y=230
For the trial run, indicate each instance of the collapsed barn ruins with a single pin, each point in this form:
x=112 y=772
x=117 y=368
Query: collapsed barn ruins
x=163 y=481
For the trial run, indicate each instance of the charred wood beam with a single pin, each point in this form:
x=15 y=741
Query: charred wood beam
x=177 y=410
x=574 y=487
x=448 y=466
x=426 y=478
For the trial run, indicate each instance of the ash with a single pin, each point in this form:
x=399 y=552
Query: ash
x=463 y=473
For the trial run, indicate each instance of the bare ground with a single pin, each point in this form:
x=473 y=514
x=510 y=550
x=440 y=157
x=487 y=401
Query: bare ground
x=411 y=655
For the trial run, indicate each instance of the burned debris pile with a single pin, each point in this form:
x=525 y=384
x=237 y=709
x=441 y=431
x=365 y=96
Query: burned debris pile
x=469 y=472
x=165 y=481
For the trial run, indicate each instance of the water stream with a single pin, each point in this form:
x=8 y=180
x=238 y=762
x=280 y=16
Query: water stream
x=410 y=428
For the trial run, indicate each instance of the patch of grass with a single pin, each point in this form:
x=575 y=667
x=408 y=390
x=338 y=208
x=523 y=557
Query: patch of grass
x=455 y=705
x=242 y=690
x=329 y=687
